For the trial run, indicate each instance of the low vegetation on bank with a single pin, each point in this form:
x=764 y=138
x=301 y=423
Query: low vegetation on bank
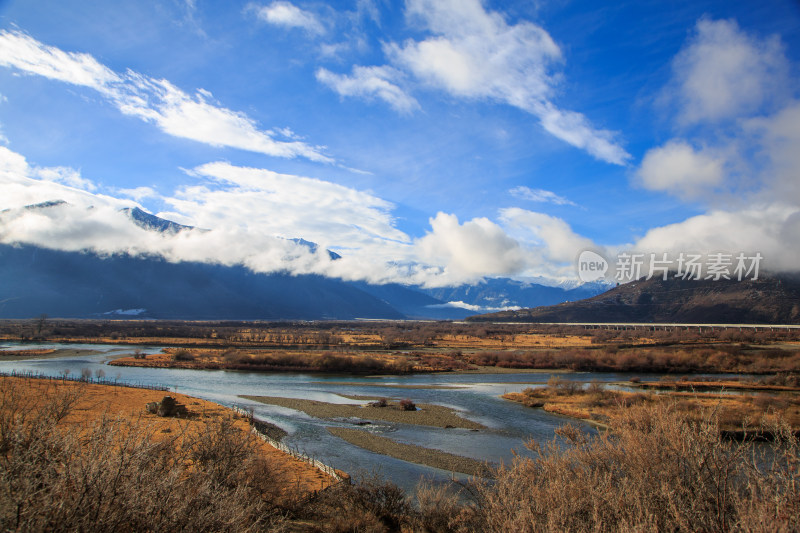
x=736 y=414
x=660 y=471
x=402 y=347
x=777 y=359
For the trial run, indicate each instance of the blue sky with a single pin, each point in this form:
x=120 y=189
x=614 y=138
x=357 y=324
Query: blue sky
x=433 y=142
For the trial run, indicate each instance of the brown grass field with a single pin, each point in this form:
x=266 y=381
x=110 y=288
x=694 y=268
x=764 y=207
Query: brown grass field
x=93 y=403
x=737 y=414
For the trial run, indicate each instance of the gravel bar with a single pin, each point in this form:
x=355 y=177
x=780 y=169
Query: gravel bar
x=425 y=415
x=412 y=453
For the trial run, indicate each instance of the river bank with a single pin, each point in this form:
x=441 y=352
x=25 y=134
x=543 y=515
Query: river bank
x=44 y=353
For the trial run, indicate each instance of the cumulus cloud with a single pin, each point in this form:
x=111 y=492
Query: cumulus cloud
x=539 y=195
x=468 y=251
x=73 y=219
x=779 y=137
x=25 y=184
x=679 y=169
x=288 y=15
x=67 y=176
x=724 y=73
x=249 y=217
x=370 y=82
x=172 y=110
x=747 y=173
x=551 y=236
x=770 y=229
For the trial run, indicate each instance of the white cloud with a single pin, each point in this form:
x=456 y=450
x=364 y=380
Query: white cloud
x=249 y=215
x=458 y=304
x=67 y=176
x=23 y=184
x=779 y=137
x=748 y=172
x=138 y=193
x=286 y=205
x=771 y=229
x=468 y=251
x=473 y=53
x=370 y=82
x=552 y=237
x=539 y=195
x=290 y=16
x=724 y=73
x=157 y=101
x=28 y=55
x=679 y=169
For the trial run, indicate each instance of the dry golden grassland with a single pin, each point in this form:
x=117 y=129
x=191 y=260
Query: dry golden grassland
x=736 y=413
x=94 y=403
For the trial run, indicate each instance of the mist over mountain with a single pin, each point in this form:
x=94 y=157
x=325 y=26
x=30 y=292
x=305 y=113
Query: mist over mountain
x=86 y=284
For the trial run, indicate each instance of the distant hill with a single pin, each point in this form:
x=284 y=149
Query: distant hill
x=504 y=292
x=769 y=300
x=84 y=285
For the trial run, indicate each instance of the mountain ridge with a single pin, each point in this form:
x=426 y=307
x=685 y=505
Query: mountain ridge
x=771 y=299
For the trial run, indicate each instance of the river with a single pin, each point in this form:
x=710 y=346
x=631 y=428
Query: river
x=475 y=396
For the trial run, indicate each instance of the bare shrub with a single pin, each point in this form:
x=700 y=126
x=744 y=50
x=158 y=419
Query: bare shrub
x=657 y=472
x=407 y=405
x=563 y=386
x=370 y=504
x=182 y=354
x=116 y=475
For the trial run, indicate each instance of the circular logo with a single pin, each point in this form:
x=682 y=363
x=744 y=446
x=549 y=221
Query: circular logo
x=591 y=266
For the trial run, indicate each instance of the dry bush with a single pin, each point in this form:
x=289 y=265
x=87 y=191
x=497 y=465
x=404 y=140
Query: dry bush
x=656 y=472
x=563 y=387
x=407 y=405
x=182 y=354
x=368 y=505
x=444 y=508
x=119 y=475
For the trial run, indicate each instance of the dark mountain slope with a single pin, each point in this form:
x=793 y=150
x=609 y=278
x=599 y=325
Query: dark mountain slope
x=768 y=300
x=68 y=284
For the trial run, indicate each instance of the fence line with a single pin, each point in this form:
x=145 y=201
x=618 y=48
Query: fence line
x=294 y=452
x=27 y=374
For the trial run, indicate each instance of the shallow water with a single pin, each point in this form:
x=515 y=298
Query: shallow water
x=475 y=396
